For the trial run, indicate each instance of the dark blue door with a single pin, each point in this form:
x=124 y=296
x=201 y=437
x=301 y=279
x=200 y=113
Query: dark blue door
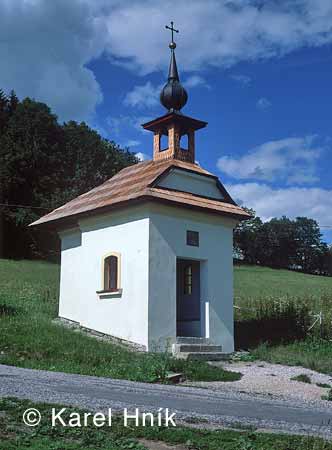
x=188 y=298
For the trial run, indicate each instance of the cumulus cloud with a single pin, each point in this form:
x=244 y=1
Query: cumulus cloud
x=196 y=81
x=292 y=160
x=120 y=124
x=147 y=95
x=44 y=49
x=46 y=46
x=216 y=33
x=131 y=143
x=263 y=104
x=271 y=202
x=144 y=96
x=142 y=156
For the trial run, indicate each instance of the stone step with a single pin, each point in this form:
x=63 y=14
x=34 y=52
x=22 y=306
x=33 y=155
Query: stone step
x=192 y=340
x=203 y=356
x=192 y=348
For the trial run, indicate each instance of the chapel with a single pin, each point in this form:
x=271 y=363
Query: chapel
x=146 y=257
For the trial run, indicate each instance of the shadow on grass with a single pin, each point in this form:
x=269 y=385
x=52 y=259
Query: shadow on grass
x=6 y=310
x=273 y=327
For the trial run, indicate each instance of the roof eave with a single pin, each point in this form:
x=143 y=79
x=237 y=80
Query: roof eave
x=162 y=121
x=70 y=221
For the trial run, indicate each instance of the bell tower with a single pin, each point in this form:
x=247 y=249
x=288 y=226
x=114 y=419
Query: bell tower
x=174 y=124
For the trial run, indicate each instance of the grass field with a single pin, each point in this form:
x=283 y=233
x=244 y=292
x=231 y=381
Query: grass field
x=28 y=338
x=288 y=304
x=268 y=298
x=14 y=435
x=252 y=283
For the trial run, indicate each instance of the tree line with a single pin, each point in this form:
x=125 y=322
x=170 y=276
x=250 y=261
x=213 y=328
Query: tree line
x=44 y=164
x=283 y=243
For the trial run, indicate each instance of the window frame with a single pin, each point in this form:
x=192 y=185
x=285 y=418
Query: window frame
x=105 y=289
x=188 y=279
x=192 y=238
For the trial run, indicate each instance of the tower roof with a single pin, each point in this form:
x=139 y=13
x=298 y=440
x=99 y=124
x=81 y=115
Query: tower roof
x=173 y=95
x=162 y=123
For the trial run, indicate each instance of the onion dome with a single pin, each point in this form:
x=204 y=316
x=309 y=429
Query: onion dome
x=173 y=95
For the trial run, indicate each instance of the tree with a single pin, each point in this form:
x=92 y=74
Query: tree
x=309 y=244
x=87 y=161
x=13 y=102
x=323 y=263
x=277 y=243
x=246 y=245
x=3 y=124
x=283 y=243
x=3 y=111
x=329 y=260
x=44 y=165
x=31 y=148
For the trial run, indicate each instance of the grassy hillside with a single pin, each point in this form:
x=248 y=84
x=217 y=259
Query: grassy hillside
x=253 y=282
x=271 y=306
x=28 y=338
x=21 y=279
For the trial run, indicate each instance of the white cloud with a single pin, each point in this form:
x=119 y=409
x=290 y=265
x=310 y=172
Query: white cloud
x=131 y=143
x=46 y=46
x=268 y=202
x=144 y=96
x=263 y=104
x=244 y=80
x=142 y=156
x=292 y=160
x=120 y=125
x=216 y=33
x=147 y=95
x=196 y=81
x=44 y=49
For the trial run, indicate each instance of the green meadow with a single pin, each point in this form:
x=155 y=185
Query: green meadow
x=276 y=317
x=252 y=283
x=29 y=338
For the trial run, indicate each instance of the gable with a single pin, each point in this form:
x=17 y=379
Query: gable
x=194 y=183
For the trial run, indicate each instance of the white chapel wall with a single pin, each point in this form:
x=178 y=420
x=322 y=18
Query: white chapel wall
x=168 y=228
x=124 y=316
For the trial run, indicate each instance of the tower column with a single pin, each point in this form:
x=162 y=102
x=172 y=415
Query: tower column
x=174 y=139
x=156 y=144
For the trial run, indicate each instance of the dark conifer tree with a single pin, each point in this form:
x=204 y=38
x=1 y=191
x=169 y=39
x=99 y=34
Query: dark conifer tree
x=13 y=102
x=3 y=110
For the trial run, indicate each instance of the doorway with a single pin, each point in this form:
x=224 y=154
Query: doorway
x=188 y=305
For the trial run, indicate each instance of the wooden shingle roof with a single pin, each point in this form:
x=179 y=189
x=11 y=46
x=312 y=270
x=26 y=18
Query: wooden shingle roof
x=137 y=183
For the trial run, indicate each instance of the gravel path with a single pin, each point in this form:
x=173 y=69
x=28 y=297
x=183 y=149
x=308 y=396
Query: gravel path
x=273 y=381
x=205 y=407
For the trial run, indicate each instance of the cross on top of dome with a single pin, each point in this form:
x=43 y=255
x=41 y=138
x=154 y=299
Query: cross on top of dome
x=173 y=95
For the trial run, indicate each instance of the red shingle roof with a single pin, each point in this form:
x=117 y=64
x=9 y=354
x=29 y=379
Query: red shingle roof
x=135 y=183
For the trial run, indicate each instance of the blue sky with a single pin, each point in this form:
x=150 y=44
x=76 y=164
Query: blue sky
x=259 y=72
